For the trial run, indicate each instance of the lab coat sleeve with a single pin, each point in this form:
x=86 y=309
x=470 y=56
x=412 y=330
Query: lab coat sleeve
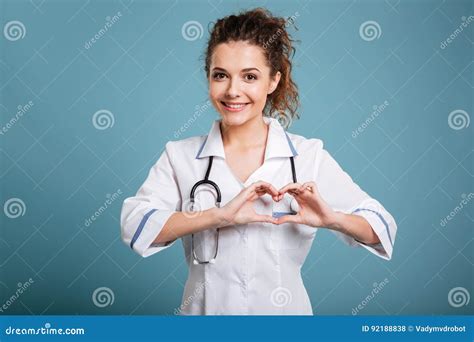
x=342 y=194
x=144 y=215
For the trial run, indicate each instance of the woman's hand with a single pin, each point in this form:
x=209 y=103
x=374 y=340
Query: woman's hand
x=314 y=211
x=240 y=209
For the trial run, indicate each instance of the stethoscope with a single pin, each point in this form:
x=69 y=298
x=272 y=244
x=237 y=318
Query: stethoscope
x=206 y=180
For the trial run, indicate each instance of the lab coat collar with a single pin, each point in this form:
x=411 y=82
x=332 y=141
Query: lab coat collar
x=278 y=143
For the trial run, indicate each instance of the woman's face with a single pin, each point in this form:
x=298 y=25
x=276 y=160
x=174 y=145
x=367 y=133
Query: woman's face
x=239 y=81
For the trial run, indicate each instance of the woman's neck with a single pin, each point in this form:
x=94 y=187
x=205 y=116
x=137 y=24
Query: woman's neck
x=251 y=134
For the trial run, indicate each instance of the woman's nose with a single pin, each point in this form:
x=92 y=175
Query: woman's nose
x=233 y=89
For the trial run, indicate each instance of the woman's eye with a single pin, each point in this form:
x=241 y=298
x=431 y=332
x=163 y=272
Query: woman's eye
x=250 y=77
x=218 y=76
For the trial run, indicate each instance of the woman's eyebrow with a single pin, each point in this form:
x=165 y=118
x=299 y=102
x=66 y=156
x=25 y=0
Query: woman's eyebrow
x=250 y=69
x=243 y=70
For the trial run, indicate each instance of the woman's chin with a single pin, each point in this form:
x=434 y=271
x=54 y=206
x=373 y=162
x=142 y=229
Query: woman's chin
x=236 y=119
x=233 y=119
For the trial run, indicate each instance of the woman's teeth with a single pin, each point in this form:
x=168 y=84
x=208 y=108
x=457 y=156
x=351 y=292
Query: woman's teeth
x=234 y=106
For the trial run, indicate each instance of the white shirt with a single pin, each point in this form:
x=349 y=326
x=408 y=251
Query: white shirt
x=257 y=269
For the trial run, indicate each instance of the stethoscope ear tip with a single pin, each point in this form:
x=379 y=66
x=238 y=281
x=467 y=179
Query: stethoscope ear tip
x=195 y=262
x=212 y=261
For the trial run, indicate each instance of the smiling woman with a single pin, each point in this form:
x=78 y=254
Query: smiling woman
x=248 y=198
x=235 y=89
x=259 y=40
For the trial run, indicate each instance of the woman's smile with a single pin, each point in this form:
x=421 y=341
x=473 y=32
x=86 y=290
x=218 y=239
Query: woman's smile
x=234 y=106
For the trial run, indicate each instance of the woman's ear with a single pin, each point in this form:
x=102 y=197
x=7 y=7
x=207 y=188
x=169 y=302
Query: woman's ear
x=274 y=82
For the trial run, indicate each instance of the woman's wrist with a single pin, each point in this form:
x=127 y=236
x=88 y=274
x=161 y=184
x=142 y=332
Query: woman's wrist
x=220 y=217
x=355 y=226
x=336 y=221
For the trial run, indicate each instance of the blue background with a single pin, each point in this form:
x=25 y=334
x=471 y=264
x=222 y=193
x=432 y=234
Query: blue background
x=151 y=79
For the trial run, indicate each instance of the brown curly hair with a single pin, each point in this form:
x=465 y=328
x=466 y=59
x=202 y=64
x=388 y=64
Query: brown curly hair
x=260 y=27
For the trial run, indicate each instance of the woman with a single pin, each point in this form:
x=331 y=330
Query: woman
x=275 y=189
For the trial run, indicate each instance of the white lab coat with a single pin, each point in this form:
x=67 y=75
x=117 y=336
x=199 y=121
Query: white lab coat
x=257 y=269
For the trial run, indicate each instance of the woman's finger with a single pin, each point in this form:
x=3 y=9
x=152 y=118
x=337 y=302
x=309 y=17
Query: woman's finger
x=306 y=189
x=290 y=188
x=262 y=188
x=309 y=186
x=252 y=196
x=264 y=218
x=288 y=219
